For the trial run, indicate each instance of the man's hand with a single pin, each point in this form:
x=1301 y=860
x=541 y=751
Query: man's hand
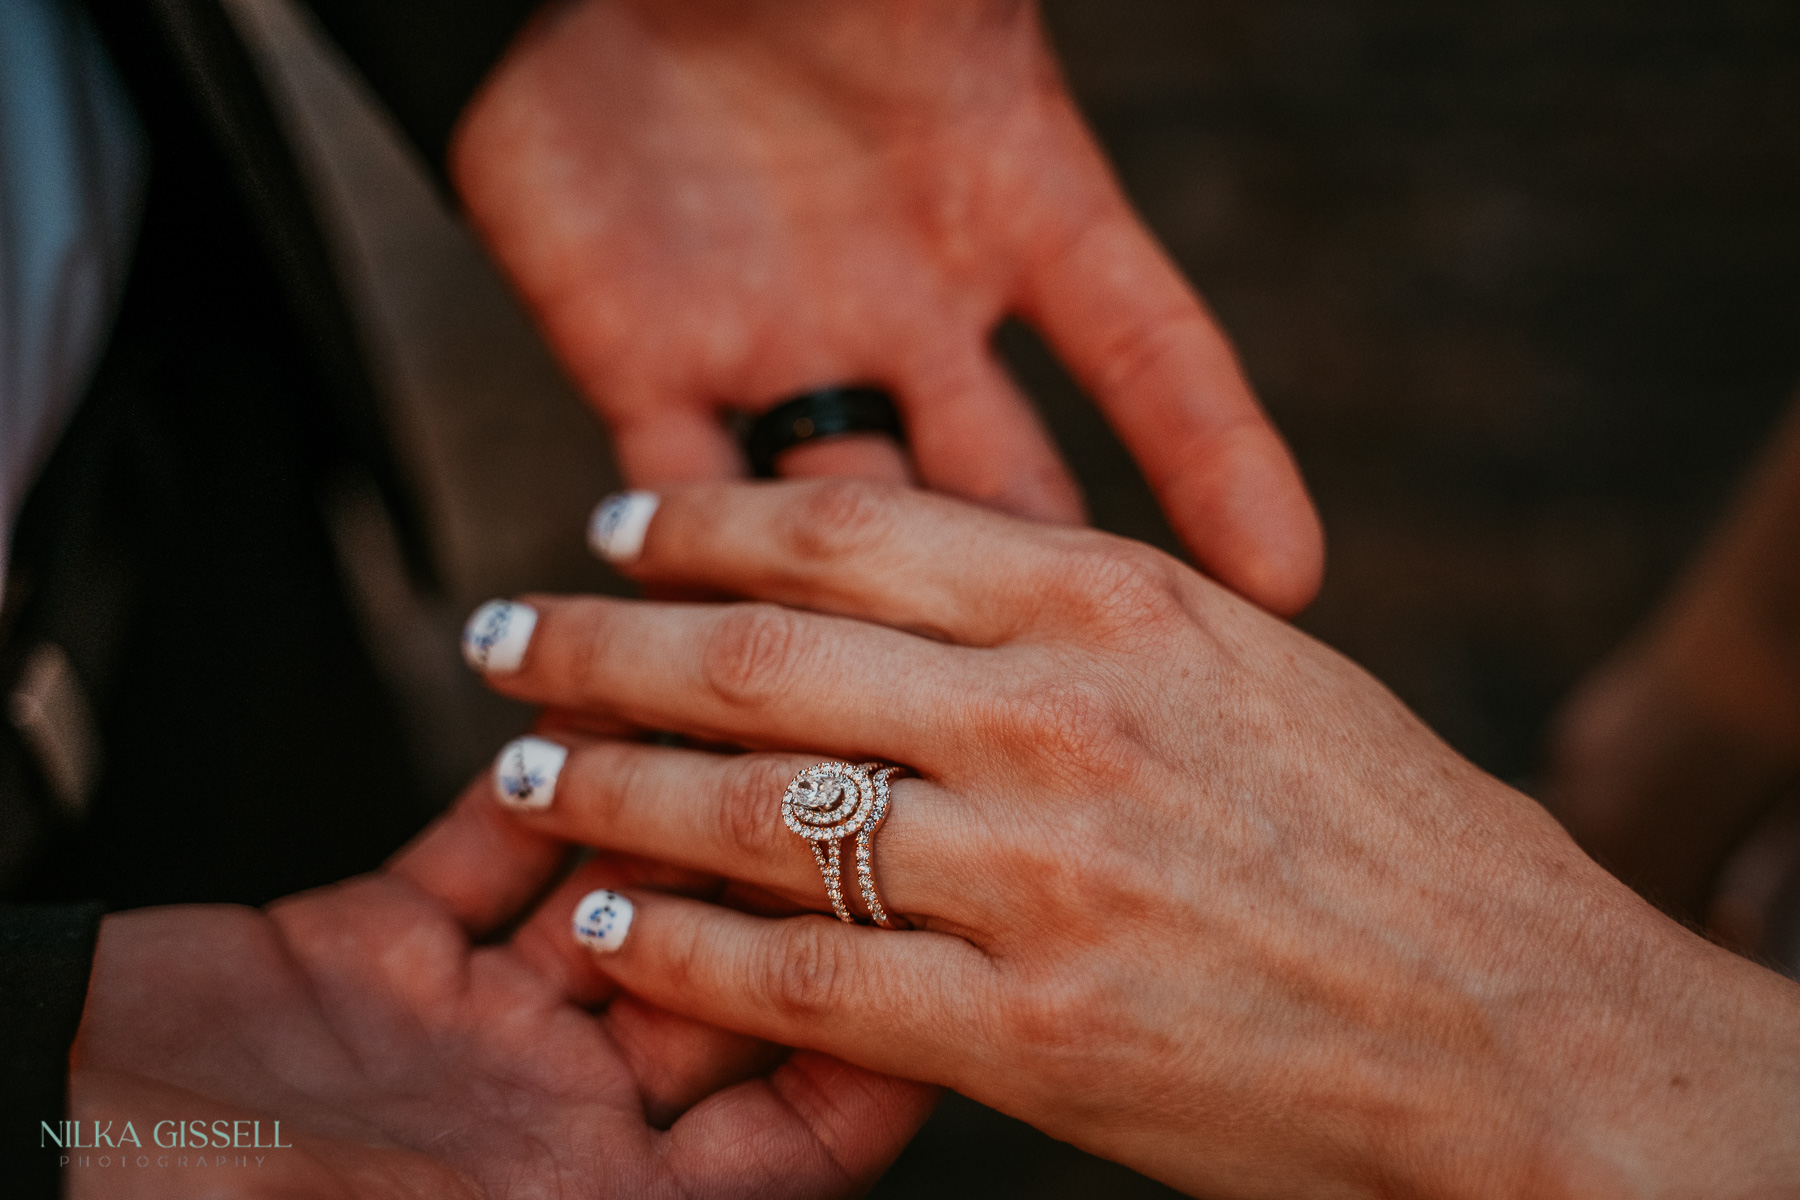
x=402 y=1061
x=712 y=204
x=1666 y=757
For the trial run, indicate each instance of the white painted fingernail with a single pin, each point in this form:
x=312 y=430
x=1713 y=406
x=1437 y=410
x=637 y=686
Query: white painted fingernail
x=602 y=920
x=616 y=530
x=496 y=636
x=525 y=773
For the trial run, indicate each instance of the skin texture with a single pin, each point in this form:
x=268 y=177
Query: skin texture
x=713 y=204
x=1194 y=892
x=1662 y=762
x=404 y=1061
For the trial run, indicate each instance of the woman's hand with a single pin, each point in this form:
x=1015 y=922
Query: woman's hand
x=404 y=1061
x=1193 y=891
x=711 y=204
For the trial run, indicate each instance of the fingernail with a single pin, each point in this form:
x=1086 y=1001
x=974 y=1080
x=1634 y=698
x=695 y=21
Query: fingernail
x=525 y=773
x=602 y=920
x=616 y=530
x=496 y=636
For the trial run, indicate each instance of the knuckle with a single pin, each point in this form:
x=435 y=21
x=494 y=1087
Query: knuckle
x=685 y=956
x=1085 y=876
x=1126 y=589
x=749 y=653
x=585 y=666
x=1061 y=1018
x=835 y=518
x=1143 y=350
x=1040 y=1018
x=748 y=807
x=813 y=977
x=606 y=780
x=1074 y=725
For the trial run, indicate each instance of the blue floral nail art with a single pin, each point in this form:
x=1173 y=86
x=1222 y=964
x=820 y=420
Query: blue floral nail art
x=497 y=634
x=602 y=920
x=526 y=770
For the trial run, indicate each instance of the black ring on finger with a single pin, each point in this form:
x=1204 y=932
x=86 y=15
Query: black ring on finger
x=821 y=413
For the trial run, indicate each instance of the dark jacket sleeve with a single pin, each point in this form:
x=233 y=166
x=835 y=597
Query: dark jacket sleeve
x=425 y=58
x=46 y=953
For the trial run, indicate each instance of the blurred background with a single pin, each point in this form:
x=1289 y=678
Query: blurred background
x=1519 y=281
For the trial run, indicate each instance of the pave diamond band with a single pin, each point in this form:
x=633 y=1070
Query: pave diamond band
x=832 y=801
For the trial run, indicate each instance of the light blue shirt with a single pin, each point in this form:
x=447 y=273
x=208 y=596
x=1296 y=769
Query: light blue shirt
x=72 y=169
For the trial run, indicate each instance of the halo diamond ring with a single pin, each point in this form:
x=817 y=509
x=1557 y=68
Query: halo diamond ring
x=829 y=802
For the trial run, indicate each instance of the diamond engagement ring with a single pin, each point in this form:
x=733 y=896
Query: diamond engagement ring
x=832 y=801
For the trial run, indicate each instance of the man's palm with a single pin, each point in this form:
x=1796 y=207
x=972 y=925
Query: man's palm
x=712 y=204
x=402 y=1061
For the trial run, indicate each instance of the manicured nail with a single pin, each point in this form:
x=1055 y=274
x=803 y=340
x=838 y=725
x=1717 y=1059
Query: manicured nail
x=496 y=636
x=602 y=920
x=616 y=530
x=525 y=773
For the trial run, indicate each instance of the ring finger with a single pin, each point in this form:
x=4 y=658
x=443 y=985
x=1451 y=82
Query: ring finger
x=722 y=814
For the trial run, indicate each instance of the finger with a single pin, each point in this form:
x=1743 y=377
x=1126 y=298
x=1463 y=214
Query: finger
x=1135 y=335
x=750 y=674
x=660 y=443
x=675 y=1060
x=973 y=434
x=816 y=1127
x=721 y=814
x=678 y=1061
x=897 y=1002
x=542 y=940
x=902 y=558
x=858 y=456
x=482 y=866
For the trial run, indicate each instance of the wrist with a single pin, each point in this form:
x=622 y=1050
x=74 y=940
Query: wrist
x=1547 y=1033
x=1640 y=1059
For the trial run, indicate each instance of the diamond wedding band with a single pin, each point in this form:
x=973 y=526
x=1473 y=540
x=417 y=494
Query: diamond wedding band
x=832 y=801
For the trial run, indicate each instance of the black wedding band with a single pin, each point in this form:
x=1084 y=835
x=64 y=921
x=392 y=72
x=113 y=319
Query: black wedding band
x=823 y=413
